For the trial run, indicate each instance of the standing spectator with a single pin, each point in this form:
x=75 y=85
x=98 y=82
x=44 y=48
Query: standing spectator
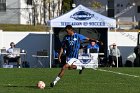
x=114 y=55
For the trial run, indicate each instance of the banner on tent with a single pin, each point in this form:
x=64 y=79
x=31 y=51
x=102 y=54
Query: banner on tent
x=88 y=60
x=83 y=24
x=82 y=15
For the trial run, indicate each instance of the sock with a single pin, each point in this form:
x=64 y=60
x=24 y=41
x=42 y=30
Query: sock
x=79 y=68
x=56 y=80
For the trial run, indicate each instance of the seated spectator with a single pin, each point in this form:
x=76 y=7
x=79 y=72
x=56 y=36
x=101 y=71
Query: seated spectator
x=114 y=55
x=11 y=56
x=55 y=54
x=93 y=45
x=137 y=59
x=130 y=60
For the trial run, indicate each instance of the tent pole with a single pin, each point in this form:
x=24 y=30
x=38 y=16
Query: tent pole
x=117 y=56
x=1 y=35
x=116 y=52
x=51 y=32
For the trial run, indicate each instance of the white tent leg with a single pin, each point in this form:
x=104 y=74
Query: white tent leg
x=116 y=52
x=1 y=39
x=51 y=32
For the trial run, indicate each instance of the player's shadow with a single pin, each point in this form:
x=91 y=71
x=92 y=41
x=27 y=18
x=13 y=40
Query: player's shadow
x=34 y=87
x=22 y=86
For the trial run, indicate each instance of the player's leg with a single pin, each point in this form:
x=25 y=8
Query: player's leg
x=66 y=66
x=74 y=66
x=60 y=74
x=80 y=68
x=69 y=64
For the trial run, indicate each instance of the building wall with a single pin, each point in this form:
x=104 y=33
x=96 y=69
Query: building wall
x=122 y=5
x=11 y=15
x=119 y=6
x=138 y=14
x=18 y=12
x=89 y=4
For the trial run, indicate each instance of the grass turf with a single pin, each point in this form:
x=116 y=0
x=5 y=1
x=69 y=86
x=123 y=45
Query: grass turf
x=91 y=81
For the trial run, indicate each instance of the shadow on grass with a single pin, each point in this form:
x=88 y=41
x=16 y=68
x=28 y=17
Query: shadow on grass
x=33 y=87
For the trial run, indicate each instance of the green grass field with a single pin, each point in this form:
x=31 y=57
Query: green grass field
x=24 y=80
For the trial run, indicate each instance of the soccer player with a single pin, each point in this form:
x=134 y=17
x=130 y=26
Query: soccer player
x=72 y=44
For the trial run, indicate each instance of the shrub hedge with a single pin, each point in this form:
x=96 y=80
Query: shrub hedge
x=18 y=27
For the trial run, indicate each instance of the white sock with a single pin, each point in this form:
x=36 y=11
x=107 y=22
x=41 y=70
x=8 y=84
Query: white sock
x=56 y=80
x=79 y=68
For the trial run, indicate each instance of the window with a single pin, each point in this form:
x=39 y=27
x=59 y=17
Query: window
x=111 y=4
x=111 y=8
x=111 y=13
x=2 y=5
x=29 y=2
x=138 y=9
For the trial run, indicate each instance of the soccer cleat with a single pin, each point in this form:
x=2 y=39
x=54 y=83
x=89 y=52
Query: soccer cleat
x=80 y=72
x=52 y=84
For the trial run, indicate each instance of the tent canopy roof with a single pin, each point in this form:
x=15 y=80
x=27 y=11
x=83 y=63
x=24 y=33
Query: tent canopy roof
x=82 y=17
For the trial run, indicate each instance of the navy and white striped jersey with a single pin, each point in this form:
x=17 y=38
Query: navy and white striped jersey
x=72 y=44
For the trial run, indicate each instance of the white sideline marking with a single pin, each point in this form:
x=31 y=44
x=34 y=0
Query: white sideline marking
x=135 y=76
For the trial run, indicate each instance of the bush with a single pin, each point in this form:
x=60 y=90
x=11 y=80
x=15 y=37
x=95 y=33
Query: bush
x=18 y=27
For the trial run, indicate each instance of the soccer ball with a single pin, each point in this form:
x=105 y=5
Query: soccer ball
x=41 y=85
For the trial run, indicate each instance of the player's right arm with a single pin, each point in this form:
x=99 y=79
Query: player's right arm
x=62 y=49
x=60 y=54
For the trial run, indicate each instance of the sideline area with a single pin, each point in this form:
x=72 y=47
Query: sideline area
x=119 y=73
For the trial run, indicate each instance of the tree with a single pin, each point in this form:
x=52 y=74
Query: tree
x=66 y=5
x=45 y=10
x=96 y=5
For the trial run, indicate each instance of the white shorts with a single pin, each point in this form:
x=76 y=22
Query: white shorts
x=71 y=61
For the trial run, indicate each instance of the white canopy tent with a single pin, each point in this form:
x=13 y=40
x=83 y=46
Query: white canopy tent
x=80 y=17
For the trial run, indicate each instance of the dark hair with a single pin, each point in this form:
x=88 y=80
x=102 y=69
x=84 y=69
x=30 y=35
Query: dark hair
x=68 y=27
x=93 y=41
x=12 y=43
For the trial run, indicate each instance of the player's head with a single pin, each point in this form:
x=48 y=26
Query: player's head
x=69 y=29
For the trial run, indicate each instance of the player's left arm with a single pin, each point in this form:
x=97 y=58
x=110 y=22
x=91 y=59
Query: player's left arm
x=84 y=38
x=87 y=40
x=93 y=39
